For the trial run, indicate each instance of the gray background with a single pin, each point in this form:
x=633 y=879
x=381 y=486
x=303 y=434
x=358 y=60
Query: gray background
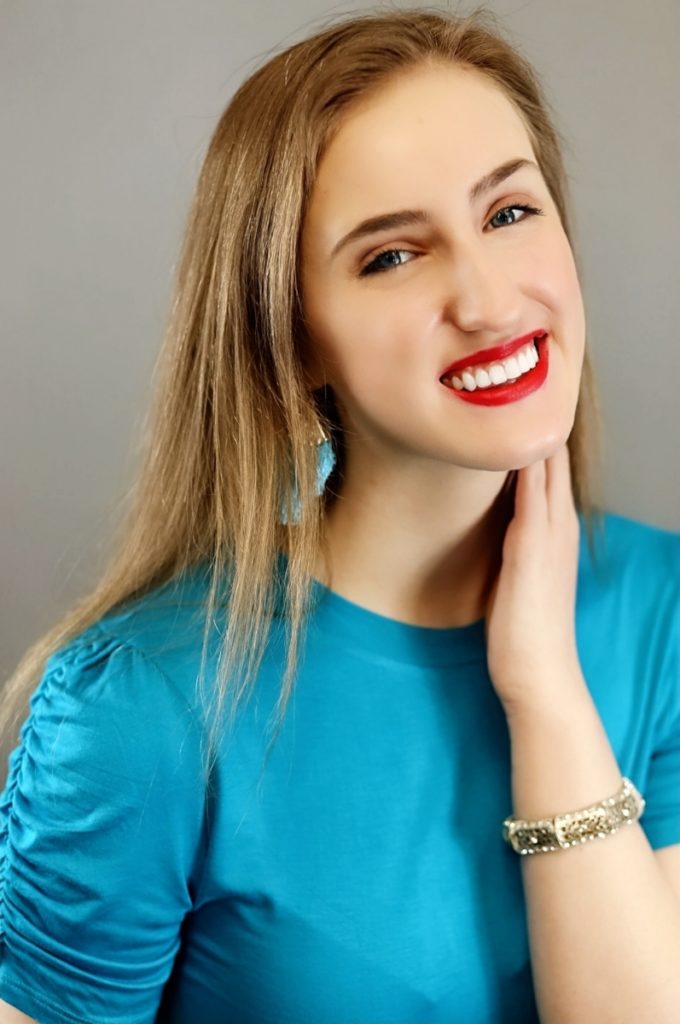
x=106 y=109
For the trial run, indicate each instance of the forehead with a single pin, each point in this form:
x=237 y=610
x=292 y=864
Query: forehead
x=429 y=128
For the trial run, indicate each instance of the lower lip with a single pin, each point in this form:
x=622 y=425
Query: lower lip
x=501 y=394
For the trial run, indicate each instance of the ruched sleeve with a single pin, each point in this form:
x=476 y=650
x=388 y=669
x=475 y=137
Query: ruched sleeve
x=100 y=837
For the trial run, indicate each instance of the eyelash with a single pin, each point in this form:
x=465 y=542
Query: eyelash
x=370 y=268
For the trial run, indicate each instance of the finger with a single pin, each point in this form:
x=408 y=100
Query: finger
x=530 y=496
x=560 y=495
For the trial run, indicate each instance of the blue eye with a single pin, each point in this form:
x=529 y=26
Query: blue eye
x=375 y=265
x=531 y=211
x=378 y=264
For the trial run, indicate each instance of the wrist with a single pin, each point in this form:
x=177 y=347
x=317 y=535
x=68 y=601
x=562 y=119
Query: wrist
x=561 y=756
x=563 y=695
x=577 y=826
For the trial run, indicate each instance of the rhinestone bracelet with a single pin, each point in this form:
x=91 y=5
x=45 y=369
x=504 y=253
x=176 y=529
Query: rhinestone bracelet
x=564 y=830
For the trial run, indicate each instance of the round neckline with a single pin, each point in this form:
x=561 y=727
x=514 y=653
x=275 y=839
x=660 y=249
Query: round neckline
x=353 y=627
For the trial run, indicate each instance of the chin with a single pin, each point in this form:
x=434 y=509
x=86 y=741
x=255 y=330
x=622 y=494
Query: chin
x=524 y=451
x=519 y=454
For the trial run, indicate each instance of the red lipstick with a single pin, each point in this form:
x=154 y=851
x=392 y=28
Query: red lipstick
x=512 y=391
x=488 y=355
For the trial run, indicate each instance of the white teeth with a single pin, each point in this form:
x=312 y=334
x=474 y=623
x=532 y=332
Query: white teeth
x=512 y=368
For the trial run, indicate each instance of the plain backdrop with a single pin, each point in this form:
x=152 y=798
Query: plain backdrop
x=106 y=109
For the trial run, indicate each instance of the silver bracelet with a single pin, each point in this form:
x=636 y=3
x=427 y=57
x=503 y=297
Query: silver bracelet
x=564 y=830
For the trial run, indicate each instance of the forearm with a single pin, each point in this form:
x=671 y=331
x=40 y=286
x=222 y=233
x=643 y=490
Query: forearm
x=604 y=924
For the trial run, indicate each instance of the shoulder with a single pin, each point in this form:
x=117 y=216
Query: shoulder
x=634 y=562
x=628 y=609
x=120 y=697
x=626 y=537
x=104 y=713
x=159 y=634
x=118 y=701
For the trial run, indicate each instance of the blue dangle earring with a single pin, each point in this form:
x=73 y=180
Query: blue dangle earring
x=325 y=461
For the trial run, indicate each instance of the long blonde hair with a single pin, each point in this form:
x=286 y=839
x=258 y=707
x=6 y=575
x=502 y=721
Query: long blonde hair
x=232 y=414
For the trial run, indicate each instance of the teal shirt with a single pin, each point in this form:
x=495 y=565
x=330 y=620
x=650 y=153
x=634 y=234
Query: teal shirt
x=365 y=881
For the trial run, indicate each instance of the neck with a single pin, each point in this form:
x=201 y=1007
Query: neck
x=414 y=551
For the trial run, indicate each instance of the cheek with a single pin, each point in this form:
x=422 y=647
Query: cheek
x=558 y=280
x=574 y=311
x=562 y=296
x=357 y=346
x=363 y=368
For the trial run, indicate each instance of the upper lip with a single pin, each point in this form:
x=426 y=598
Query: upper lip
x=488 y=355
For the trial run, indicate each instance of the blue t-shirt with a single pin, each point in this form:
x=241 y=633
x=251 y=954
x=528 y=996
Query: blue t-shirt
x=365 y=880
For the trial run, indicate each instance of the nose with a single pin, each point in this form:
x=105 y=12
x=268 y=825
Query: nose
x=480 y=296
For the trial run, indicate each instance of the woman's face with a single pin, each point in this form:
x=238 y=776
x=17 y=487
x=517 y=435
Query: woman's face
x=391 y=308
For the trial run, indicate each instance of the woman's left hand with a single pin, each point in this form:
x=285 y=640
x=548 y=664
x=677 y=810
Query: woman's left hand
x=530 y=617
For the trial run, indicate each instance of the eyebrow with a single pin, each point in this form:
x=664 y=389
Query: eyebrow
x=407 y=218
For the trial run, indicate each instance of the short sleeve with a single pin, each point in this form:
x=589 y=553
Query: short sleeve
x=100 y=838
x=661 y=818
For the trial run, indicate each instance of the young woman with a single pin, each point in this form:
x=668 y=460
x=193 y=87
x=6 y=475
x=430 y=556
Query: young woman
x=365 y=607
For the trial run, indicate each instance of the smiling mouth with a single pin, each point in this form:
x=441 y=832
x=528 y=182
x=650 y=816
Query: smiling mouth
x=498 y=371
x=519 y=382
